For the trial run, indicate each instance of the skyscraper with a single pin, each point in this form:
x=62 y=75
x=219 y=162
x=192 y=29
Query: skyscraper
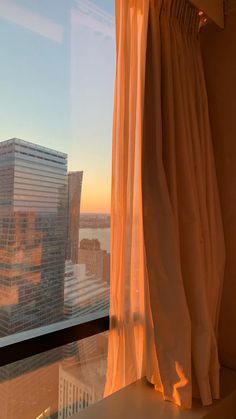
x=33 y=235
x=74 y=198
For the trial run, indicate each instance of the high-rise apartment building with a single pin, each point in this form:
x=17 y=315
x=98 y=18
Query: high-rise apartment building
x=74 y=197
x=33 y=235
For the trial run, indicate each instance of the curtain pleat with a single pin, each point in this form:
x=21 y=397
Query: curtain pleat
x=126 y=340
x=167 y=243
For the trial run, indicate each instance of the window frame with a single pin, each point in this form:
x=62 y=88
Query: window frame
x=16 y=347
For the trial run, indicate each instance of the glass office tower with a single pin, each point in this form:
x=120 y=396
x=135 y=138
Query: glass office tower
x=33 y=235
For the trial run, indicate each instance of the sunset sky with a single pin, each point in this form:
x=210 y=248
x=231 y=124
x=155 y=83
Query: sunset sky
x=56 y=83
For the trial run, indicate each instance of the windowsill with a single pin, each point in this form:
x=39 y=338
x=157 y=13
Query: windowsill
x=140 y=401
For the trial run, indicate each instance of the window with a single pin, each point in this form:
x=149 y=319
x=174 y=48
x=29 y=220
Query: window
x=52 y=386
x=57 y=76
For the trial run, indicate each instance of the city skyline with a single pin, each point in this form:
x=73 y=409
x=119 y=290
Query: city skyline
x=56 y=80
x=69 y=172
x=44 y=278
x=33 y=235
x=57 y=76
x=39 y=232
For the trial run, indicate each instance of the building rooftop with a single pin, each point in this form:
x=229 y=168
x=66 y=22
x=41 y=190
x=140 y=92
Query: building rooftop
x=33 y=146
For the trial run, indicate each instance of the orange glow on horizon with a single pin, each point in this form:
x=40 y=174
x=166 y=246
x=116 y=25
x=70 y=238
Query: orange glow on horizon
x=95 y=199
x=95 y=207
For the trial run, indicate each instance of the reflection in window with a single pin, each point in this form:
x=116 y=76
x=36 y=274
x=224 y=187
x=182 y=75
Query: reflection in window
x=57 y=75
x=57 y=97
x=60 y=383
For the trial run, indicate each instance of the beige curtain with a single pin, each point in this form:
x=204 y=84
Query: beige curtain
x=167 y=237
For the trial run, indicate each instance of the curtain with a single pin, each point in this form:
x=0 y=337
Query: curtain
x=126 y=340
x=167 y=239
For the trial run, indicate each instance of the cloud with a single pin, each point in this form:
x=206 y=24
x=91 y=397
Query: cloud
x=31 y=20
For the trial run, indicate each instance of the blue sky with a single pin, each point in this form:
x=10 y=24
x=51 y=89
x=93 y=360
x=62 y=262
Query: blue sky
x=56 y=82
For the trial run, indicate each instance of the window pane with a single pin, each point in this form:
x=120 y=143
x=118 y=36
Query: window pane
x=56 y=82
x=57 y=383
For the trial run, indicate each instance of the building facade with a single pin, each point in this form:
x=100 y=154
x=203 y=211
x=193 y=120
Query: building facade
x=82 y=383
x=74 y=198
x=91 y=255
x=33 y=235
x=84 y=294
x=96 y=260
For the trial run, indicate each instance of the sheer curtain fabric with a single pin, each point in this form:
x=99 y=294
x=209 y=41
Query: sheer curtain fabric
x=167 y=237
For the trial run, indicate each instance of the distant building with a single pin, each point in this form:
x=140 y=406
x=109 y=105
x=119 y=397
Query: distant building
x=82 y=383
x=74 y=395
x=33 y=239
x=91 y=255
x=96 y=260
x=88 y=220
x=33 y=235
x=84 y=294
x=74 y=197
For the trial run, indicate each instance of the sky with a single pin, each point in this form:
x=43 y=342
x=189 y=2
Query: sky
x=57 y=82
